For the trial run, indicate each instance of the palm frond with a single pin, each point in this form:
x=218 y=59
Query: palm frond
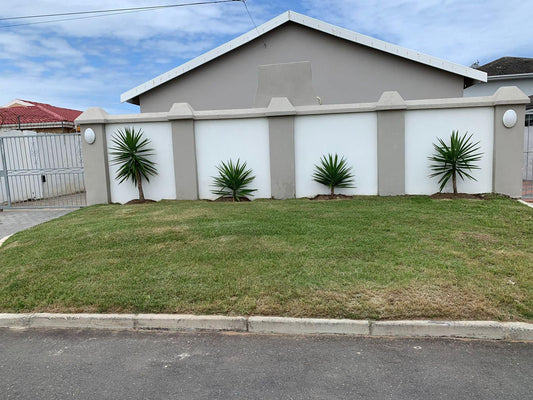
x=457 y=158
x=232 y=180
x=333 y=172
x=131 y=153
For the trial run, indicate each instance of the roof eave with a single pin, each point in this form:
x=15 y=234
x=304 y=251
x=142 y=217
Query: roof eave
x=510 y=76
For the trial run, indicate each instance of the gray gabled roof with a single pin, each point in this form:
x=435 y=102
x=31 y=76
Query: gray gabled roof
x=310 y=23
x=508 y=66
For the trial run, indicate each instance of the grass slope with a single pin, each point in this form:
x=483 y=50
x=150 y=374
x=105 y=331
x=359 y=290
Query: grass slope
x=379 y=258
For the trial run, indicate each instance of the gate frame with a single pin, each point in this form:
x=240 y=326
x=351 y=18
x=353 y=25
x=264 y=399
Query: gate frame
x=528 y=130
x=4 y=171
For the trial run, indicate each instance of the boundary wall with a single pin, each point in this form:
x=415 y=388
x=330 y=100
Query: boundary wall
x=387 y=143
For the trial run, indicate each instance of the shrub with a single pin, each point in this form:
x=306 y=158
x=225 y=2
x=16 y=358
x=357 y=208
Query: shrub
x=131 y=153
x=333 y=173
x=232 y=180
x=456 y=159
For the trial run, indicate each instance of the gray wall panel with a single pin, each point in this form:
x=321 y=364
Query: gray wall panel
x=343 y=72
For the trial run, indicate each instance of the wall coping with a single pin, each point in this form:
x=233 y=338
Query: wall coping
x=280 y=106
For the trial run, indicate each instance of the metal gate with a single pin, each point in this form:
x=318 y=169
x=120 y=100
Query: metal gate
x=41 y=171
x=527 y=178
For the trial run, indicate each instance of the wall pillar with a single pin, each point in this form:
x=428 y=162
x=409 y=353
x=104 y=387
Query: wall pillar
x=391 y=144
x=95 y=162
x=508 y=142
x=184 y=151
x=281 y=137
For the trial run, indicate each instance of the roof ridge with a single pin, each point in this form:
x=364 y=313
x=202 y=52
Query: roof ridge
x=45 y=109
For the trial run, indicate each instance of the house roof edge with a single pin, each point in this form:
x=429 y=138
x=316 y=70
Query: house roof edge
x=132 y=94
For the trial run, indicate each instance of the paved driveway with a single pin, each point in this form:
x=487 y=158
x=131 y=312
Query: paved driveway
x=13 y=221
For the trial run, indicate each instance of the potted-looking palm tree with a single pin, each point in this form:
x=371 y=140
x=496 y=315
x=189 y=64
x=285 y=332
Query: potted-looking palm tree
x=456 y=159
x=232 y=180
x=131 y=153
x=333 y=172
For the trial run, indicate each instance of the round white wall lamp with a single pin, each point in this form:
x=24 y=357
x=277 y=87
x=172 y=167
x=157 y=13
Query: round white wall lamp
x=509 y=118
x=89 y=136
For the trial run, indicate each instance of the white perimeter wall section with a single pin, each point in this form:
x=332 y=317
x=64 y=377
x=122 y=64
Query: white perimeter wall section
x=353 y=136
x=161 y=186
x=423 y=127
x=222 y=140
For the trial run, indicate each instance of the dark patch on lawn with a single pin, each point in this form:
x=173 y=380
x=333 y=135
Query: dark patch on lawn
x=452 y=196
x=330 y=197
x=230 y=199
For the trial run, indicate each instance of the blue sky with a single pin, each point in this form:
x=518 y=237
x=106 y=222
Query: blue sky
x=90 y=62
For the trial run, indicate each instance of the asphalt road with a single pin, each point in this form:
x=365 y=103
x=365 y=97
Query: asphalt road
x=54 y=364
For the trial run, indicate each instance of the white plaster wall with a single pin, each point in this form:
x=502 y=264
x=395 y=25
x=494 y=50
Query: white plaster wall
x=489 y=88
x=161 y=186
x=222 y=140
x=353 y=136
x=423 y=127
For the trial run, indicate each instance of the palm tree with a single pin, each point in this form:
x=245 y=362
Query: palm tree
x=333 y=173
x=131 y=153
x=456 y=159
x=232 y=180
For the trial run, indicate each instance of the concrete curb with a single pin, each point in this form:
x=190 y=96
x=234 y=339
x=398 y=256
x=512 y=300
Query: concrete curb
x=526 y=203
x=4 y=239
x=294 y=326
x=309 y=326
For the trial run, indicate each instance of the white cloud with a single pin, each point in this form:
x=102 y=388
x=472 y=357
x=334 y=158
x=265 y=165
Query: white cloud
x=14 y=47
x=217 y=19
x=456 y=30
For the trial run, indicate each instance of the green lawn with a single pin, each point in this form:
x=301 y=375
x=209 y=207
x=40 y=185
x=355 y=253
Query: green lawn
x=371 y=257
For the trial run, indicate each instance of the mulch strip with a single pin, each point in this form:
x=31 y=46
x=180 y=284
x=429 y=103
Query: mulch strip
x=451 y=196
x=137 y=201
x=230 y=199
x=330 y=197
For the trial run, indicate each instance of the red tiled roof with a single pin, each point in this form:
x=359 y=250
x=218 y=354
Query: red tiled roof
x=36 y=114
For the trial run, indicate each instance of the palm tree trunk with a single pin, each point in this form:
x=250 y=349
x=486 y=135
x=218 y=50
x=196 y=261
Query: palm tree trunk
x=454 y=181
x=140 y=186
x=332 y=194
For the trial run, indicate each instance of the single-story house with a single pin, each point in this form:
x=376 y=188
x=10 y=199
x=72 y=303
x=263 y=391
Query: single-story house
x=32 y=116
x=306 y=60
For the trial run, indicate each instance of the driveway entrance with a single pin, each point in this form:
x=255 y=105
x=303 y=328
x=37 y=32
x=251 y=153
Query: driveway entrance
x=13 y=221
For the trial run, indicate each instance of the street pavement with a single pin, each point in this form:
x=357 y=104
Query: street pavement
x=85 y=364
x=13 y=221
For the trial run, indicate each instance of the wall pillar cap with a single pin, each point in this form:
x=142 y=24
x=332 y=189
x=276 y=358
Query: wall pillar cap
x=509 y=95
x=280 y=106
x=391 y=101
x=181 y=111
x=93 y=115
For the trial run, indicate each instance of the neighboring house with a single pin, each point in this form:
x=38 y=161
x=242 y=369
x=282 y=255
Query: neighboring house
x=39 y=117
x=505 y=71
x=309 y=62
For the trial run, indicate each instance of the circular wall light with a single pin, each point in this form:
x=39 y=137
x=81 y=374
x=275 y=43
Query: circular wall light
x=89 y=136
x=509 y=118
